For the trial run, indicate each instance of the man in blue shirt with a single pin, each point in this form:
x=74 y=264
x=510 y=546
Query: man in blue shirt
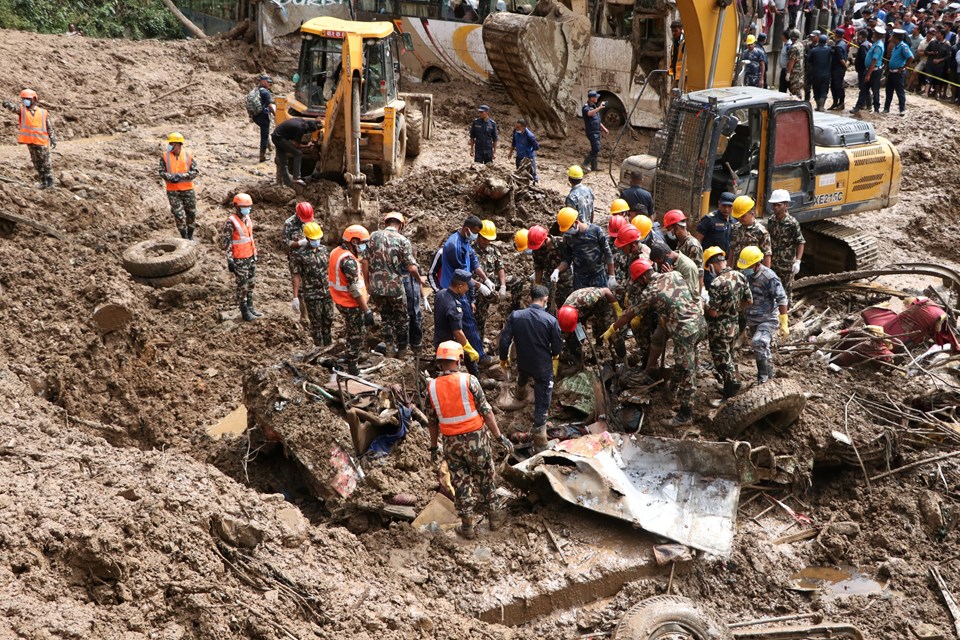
x=820 y=70
x=900 y=57
x=592 y=126
x=484 y=136
x=449 y=307
x=756 y=64
x=525 y=145
x=871 y=78
x=638 y=199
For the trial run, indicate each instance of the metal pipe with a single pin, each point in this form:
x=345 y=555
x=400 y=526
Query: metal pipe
x=716 y=44
x=798 y=616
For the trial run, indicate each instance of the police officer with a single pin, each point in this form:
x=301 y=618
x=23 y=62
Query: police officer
x=638 y=199
x=458 y=253
x=713 y=230
x=237 y=240
x=870 y=90
x=349 y=292
x=838 y=69
x=592 y=126
x=585 y=249
x=580 y=196
x=483 y=136
x=900 y=57
x=756 y=63
x=448 y=306
x=820 y=69
x=860 y=64
x=768 y=310
x=537 y=336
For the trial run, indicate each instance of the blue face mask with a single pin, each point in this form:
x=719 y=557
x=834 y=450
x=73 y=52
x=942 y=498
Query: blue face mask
x=170 y=147
x=314 y=243
x=363 y=247
x=671 y=235
x=246 y=210
x=471 y=236
x=572 y=231
x=748 y=272
x=528 y=252
x=27 y=102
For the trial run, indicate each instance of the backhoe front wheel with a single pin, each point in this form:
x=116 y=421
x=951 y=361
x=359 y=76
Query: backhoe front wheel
x=393 y=167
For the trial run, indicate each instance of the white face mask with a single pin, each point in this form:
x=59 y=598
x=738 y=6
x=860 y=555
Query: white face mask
x=27 y=102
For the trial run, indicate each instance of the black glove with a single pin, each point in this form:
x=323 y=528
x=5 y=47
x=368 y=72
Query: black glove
x=434 y=455
x=505 y=442
x=368 y=318
x=53 y=145
x=231 y=265
x=7 y=104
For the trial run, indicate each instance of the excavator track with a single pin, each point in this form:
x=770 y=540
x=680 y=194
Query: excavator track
x=832 y=247
x=949 y=277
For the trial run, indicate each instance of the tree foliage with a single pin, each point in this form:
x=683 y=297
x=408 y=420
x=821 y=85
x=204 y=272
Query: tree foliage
x=134 y=19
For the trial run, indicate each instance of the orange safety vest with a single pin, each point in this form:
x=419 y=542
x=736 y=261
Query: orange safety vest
x=242 y=241
x=337 y=282
x=454 y=404
x=178 y=165
x=33 y=127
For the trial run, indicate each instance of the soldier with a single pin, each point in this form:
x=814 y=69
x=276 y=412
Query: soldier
x=729 y=295
x=483 y=136
x=178 y=169
x=769 y=308
x=714 y=229
x=36 y=132
x=592 y=126
x=349 y=293
x=237 y=240
x=585 y=249
x=649 y=233
x=580 y=196
x=547 y=259
x=756 y=64
x=675 y=224
x=491 y=261
x=748 y=231
x=391 y=262
x=795 y=59
x=681 y=314
x=786 y=240
x=590 y=303
x=668 y=260
x=621 y=261
x=459 y=410
x=309 y=265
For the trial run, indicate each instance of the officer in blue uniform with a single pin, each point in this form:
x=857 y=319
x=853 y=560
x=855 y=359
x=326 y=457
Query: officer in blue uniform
x=592 y=126
x=713 y=230
x=484 y=136
x=448 y=316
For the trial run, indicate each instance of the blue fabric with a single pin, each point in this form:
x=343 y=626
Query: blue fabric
x=581 y=199
x=266 y=99
x=447 y=316
x=591 y=124
x=875 y=54
x=768 y=295
x=414 y=311
x=525 y=143
x=637 y=196
x=457 y=254
x=899 y=56
x=537 y=336
x=470 y=327
x=382 y=445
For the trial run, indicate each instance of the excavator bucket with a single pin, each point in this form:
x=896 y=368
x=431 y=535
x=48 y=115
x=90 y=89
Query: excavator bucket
x=538 y=58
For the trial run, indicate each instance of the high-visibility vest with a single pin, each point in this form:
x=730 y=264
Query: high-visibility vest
x=33 y=127
x=677 y=58
x=242 y=242
x=178 y=165
x=454 y=404
x=337 y=282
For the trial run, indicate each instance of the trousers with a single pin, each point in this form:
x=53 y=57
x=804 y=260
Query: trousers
x=542 y=395
x=262 y=120
x=895 y=85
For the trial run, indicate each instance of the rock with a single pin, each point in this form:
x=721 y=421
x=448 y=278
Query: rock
x=930 y=505
x=112 y=317
x=496 y=373
x=238 y=533
x=925 y=631
x=294 y=528
x=848 y=529
x=895 y=568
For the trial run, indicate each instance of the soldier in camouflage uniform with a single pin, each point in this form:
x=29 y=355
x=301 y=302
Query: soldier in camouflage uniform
x=786 y=240
x=237 y=240
x=796 y=75
x=681 y=315
x=349 y=292
x=178 y=168
x=292 y=238
x=35 y=131
x=729 y=294
x=459 y=410
x=598 y=305
x=675 y=226
x=546 y=259
x=309 y=265
x=621 y=261
x=391 y=259
x=491 y=261
x=749 y=232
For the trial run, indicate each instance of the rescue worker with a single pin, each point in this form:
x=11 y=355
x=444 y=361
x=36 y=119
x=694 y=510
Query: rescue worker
x=448 y=307
x=681 y=315
x=615 y=223
x=820 y=70
x=748 y=231
x=796 y=55
x=491 y=261
x=860 y=64
x=668 y=260
x=728 y=296
x=483 y=136
x=35 y=131
x=391 y=265
x=649 y=230
x=586 y=249
x=756 y=64
x=539 y=343
x=592 y=126
x=767 y=311
x=873 y=61
x=598 y=305
x=293 y=238
x=786 y=240
x=838 y=70
x=639 y=199
x=267 y=109
x=547 y=258
x=309 y=265
x=459 y=410
x=813 y=39
x=525 y=145
x=714 y=229
x=675 y=225
x=290 y=137
x=237 y=241
x=458 y=253
x=900 y=58
x=676 y=53
x=178 y=169
x=580 y=196
x=349 y=292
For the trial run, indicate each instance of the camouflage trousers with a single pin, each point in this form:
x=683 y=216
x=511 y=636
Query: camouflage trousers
x=40 y=157
x=470 y=459
x=354 y=331
x=786 y=279
x=393 y=319
x=763 y=333
x=320 y=311
x=183 y=206
x=245 y=271
x=685 y=365
x=721 y=335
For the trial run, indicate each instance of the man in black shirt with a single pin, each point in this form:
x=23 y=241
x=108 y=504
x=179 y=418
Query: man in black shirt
x=289 y=137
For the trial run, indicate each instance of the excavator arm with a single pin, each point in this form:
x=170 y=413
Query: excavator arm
x=711 y=35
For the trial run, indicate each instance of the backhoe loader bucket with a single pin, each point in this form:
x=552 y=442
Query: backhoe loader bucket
x=538 y=59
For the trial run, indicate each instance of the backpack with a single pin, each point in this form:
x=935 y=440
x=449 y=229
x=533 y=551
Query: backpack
x=254 y=105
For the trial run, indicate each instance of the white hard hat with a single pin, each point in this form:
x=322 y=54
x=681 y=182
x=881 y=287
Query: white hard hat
x=779 y=195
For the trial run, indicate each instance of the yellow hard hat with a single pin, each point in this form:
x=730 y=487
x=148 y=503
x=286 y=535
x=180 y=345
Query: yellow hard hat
x=488 y=230
x=449 y=350
x=575 y=172
x=520 y=240
x=312 y=231
x=643 y=225
x=619 y=206
x=874 y=329
x=748 y=257
x=751 y=39
x=710 y=252
x=566 y=218
x=175 y=137
x=742 y=205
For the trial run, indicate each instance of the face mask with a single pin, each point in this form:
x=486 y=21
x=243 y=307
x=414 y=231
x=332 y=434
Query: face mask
x=471 y=236
x=528 y=252
x=671 y=235
x=246 y=210
x=314 y=243
x=363 y=247
x=27 y=102
x=572 y=231
x=170 y=147
x=748 y=272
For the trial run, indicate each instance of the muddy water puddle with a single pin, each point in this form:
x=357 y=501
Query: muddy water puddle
x=835 y=582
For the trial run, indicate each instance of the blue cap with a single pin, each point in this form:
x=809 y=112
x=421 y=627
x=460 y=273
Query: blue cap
x=483 y=108
x=462 y=275
x=593 y=94
x=727 y=198
x=823 y=38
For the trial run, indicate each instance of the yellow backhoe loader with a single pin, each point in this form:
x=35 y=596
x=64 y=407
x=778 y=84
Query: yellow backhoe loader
x=348 y=78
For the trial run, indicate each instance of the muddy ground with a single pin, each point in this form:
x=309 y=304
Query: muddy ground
x=116 y=503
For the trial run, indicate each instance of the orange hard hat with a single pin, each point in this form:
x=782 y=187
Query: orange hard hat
x=627 y=235
x=568 y=317
x=28 y=94
x=356 y=232
x=243 y=200
x=615 y=224
x=672 y=217
x=449 y=350
x=305 y=211
x=395 y=215
x=535 y=237
x=643 y=225
x=639 y=267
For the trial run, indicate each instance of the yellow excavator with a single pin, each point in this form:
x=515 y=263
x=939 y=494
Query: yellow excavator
x=348 y=78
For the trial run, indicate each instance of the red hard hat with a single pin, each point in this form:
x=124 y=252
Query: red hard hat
x=627 y=235
x=615 y=224
x=672 y=217
x=305 y=211
x=639 y=267
x=568 y=317
x=535 y=237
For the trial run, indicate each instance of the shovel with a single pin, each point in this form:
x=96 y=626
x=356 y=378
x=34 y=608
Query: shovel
x=601 y=397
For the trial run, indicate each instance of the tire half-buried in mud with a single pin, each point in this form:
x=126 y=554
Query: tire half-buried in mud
x=670 y=618
x=192 y=274
x=773 y=405
x=159 y=258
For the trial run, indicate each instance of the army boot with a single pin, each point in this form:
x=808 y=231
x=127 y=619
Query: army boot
x=497 y=519
x=250 y=306
x=466 y=528
x=763 y=367
x=820 y=104
x=245 y=313
x=731 y=388
x=682 y=418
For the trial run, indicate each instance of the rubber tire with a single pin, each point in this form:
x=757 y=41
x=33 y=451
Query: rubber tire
x=160 y=258
x=435 y=75
x=190 y=275
x=614 y=115
x=668 y=617
x=414 y=132
x=772 y=405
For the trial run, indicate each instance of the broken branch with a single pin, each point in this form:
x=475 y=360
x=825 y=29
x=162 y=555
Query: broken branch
x=918 y=463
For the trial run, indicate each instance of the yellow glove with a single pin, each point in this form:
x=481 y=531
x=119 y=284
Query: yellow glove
x=471 y=352
x=504 y=364
x=617 y=308
x=608 y=334
x=556 y=364
x=784 y=328
x=636 y=322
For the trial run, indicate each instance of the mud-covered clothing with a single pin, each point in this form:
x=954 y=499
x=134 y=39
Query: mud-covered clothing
x=36 y=132
x=588 y=254
x=691 y=248
x=183 y=206
x=526 y=145
x=742 y=237
x=312 y=265
x=354 y=333
x=797 y=77
x=638 y=199
x=244 y=269
x=716 y=231
x=390 y=256
x=484 y=135
x=581 y=198
x=728 y=291
x=491 y=261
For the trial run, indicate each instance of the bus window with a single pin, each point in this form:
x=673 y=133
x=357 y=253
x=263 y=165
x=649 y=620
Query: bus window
x=420 y=9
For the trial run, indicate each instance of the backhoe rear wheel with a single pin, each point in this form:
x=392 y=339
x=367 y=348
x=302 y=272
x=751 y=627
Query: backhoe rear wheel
x=670 y=618
x=414 y=132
